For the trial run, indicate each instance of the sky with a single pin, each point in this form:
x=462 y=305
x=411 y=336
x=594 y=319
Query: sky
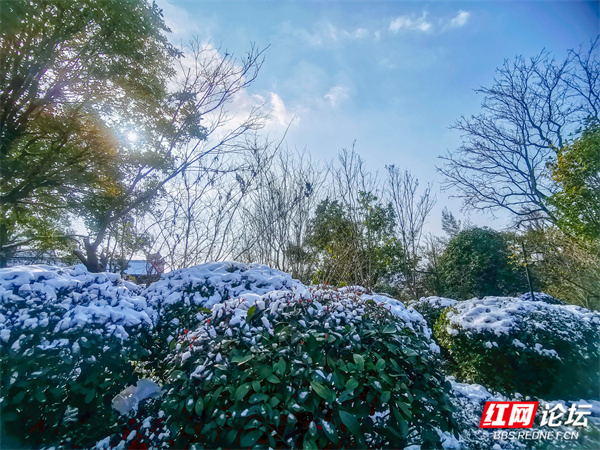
x=391 y=75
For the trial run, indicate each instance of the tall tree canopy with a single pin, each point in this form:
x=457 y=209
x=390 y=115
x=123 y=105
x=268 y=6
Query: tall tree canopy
x=576 y=171
x=66 y=70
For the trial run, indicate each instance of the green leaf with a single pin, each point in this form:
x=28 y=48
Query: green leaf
x=189 y=429
x=323 y=391
x=401 y=422
x=359 y=360
x=385 y=397
x=350 y=421
x=380 y=365
x=250 y=438
x=330 y=431
x=199 y=406
x=90 y=396
x=296 y=408
x=189 y=403
x=40 y=396
x=352 y=384
x=280 y=366
x=172 y=344
x=346 y=395
x=230 y=438
x=312 y=428
x=255 y=398
x=9 y=416
x=250 y=313
x=308 y=443
x=242 y=359
x=177 y=375
x=274 y=402
x=256 y=386
x=221 y=419
x=405 y=409
x=241 y=391
x=273 y=379
x=389 y=329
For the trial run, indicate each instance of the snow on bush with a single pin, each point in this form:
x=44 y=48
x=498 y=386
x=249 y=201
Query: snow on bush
x=541 y=297
x=315 y=369
x=66 y=337
x=534 y=348
x=179 y=296
x=249 y=356
x=431 y=308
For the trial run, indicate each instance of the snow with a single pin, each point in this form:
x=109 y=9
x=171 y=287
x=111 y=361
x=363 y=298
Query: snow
x=436 y=302
x=499 y=315
x=68 y=299
x=226 y=280
x=129 y=398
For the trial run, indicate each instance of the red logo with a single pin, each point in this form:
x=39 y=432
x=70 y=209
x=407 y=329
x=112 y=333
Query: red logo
x=508 y=414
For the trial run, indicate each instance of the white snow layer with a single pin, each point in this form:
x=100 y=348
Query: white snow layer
x=73 y=298
x=499 y=315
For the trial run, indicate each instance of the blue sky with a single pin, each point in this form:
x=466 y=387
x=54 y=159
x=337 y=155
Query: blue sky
x=392 y=75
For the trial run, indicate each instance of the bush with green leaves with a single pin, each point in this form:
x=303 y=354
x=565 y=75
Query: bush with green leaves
x=181 y=296
x=533 y=348
x=431 y=308
x=478 y=262
x=328 y=369
x=66 y=339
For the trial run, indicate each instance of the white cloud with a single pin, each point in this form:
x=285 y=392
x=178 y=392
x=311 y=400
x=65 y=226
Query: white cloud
x=460 y=20
x=278 y=114
x=337 y=95
x=410 y=23
x=326 y=33
x=181 y=23
x=360 y=33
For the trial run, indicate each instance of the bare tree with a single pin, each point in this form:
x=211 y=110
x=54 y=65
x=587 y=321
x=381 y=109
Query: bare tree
x=528 y=113
x=277 y=213
x=411 y=211
x=199 y=218
x=196 y=127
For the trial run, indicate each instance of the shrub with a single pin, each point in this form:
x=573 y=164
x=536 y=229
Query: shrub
x=477 y=262
x=181 y=296
x=329 y=369
x=533 y=348
x=431 y=308
x=541 y=297
x=66 y=339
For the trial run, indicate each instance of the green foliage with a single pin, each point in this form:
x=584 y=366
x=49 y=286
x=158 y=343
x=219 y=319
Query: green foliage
x=477 y=262
x=576 y=170
x=565 y=267
x=68 y=70
x=431 y=308
x=545 y=350
x=355 y=247
x=57 y=384
x=367 y=383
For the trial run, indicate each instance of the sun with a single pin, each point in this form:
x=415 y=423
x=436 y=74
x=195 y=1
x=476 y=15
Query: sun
x=132 y=137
